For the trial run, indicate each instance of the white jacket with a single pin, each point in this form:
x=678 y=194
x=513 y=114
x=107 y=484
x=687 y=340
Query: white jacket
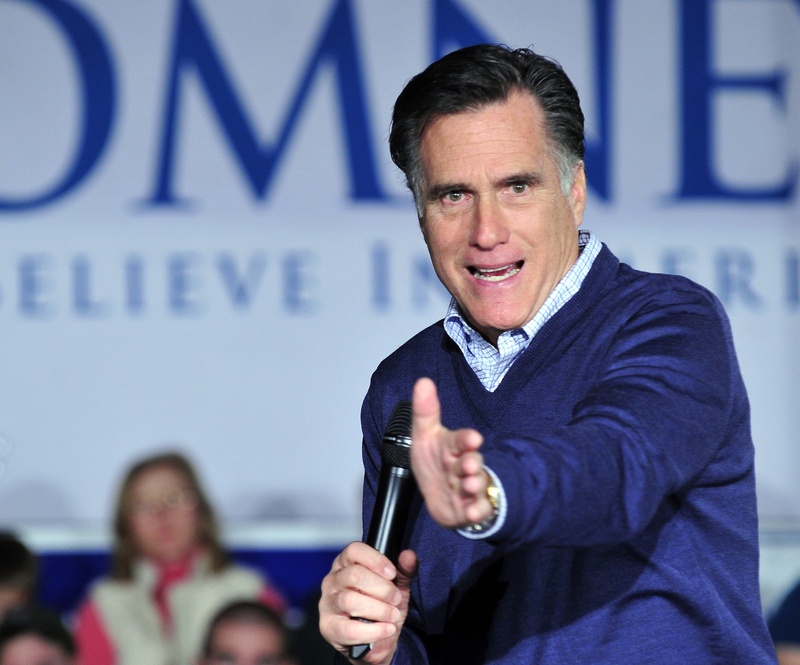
x=133 y=624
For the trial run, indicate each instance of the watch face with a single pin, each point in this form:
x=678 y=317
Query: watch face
x=493 y=492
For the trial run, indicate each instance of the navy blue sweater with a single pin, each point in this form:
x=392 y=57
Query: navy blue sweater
x=622 y=439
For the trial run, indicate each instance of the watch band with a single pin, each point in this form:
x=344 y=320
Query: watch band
x=493 y=494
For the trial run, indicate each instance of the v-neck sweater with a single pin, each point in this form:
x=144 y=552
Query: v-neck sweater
x=622 y=439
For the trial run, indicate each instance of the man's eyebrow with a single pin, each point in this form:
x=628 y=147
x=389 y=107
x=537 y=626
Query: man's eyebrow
x=438 y=191
x=529 y=177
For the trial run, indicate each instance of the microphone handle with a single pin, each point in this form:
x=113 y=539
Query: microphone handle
x=390 y=514
x=388 y=524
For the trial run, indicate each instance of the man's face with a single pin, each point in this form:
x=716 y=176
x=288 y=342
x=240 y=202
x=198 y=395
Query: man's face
x=246 y=643
x=499 y=230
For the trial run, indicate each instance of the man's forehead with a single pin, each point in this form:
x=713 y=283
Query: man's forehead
x=459 y=155
x=514 y=96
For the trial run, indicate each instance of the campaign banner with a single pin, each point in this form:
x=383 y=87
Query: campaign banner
x=204 y=244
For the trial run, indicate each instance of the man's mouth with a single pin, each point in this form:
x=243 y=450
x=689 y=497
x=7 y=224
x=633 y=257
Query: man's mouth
x=496 y=274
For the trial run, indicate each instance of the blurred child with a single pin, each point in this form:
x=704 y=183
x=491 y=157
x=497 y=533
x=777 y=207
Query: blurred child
x=246 y=633
x=34 y=636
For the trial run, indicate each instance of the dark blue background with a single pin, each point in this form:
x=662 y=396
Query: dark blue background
x=65 y=577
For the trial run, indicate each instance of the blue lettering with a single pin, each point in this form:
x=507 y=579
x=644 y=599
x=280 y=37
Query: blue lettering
x=699 y=84
x=735 y=270
x=424 y=281
x=598 y=150
x=241 y=289
x=83 y=302
x=336 y=46
x=793 y=279
x=182 y=298
x=296 y=283
x=99 y=99
x=381 y=298
x=453 y=28
x=676 y=261
x=33 y=286
x=134 y=284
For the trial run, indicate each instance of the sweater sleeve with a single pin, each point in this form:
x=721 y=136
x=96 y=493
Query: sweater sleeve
x=665 y=411
x=92 y=642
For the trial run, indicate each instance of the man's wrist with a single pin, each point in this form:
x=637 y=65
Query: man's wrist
x=495 y=496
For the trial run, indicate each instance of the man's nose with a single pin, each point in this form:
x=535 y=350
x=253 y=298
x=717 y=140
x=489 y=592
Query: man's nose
x=489 y=225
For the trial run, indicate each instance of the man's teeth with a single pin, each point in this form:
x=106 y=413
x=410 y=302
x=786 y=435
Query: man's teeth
x=496 y=274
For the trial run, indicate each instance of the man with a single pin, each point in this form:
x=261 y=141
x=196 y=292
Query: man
x=31 y=636
x=580 y=431
x=246 y=633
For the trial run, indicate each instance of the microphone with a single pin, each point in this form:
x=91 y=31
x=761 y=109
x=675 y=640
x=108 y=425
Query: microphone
x=396 y=489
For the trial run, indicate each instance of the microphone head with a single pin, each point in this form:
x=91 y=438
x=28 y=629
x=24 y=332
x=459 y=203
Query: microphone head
x=396 y=447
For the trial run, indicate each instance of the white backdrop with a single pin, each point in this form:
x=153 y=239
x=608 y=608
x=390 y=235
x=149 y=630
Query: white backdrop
x=237 y=312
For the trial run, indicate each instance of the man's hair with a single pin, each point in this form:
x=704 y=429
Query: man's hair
x=125 y=549
x=242 y=611
x=40 y=622
x=476 y=76
x=18 y=565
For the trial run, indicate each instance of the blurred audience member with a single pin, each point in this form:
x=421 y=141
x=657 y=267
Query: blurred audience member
x=169 y=576
x=34 y=636
x=18 y=573
x=784 y=626
x=310 y=647
x=246 y=633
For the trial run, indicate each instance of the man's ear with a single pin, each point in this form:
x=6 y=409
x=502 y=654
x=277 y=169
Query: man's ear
x=577 y=195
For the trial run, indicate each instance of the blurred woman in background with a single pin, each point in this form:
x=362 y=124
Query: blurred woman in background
x=169 y=576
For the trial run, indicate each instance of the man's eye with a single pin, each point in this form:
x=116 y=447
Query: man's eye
x=519 y=187
x=454 y=197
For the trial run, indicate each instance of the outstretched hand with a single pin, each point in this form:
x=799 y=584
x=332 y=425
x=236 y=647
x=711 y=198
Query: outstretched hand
x=447 y=464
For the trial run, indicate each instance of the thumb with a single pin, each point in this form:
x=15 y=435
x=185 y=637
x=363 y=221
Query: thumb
x=407 y=564
x=426 y=411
